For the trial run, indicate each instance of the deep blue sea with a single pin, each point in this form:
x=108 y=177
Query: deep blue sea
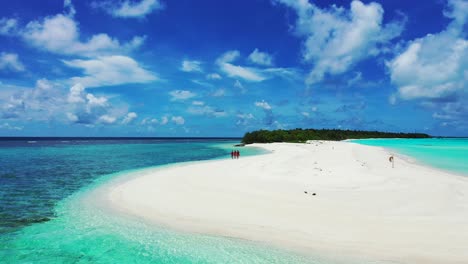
x=46 y=217
x=444 y=153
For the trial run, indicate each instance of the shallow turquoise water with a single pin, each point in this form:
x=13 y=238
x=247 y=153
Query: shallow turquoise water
x=444 y=153
x=47 y=215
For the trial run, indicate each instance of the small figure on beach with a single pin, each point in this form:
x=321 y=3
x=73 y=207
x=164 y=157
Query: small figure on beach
x=235 y=154
x=392 y=160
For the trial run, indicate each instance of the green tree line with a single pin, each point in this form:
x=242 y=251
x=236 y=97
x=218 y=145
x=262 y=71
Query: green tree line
x=302 y=135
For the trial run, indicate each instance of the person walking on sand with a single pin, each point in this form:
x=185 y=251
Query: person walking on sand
x=232 y=154
x=237 y=154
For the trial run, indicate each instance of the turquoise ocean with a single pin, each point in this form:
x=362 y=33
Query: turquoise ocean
x=449 y=154
x=46 y=215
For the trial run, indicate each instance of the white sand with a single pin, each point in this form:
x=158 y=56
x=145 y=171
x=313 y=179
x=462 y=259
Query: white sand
x=362 y=207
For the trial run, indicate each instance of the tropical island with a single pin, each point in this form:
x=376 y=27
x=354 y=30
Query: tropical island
x=302 y=135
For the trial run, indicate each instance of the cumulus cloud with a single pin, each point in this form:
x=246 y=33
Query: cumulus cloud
x=48 y=101
x=60 y=34
x=107 y=119
x=434 y=68
x=263 y=104
x=181 y=95
x=268 y=119
x=191 y=66
x=213 y=76
x=261 y=58
x=178 y=120
x=7 y=126
x=90 y=109
x=337 y=38
x=110 y=70
x=68 y=6
x=149 y=121
x=40 y=102
x=8 y=26
x=164 y=120
x=129 y=9
x=129 y=118
x=246 y=73
x=13 y=107
x=243 y=119
x=10 y=61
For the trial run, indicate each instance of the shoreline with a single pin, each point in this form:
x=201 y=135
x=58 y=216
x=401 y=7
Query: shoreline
x=413 y=160
x=362 y=208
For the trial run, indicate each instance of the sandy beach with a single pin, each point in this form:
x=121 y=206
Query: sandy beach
x=362 y=208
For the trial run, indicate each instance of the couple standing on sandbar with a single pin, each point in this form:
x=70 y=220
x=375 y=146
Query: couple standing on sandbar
x=235 y=154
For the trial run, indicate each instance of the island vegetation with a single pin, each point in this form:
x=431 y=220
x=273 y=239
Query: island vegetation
x=302 y=135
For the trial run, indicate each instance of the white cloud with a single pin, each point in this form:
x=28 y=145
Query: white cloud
x=245 y=116
x=107 y=119
x=76 y=94
x=213 y=76
x=110 y=70
x=433 y=69
x=263 y=105
x=12 y=108
x=129 y=9
x=357 y=78
x=198 y=103
x=433 y=66
x=60 y=34
x=49 y=101
x=129 y=118
x=164 y=120
x=181 y=95
x=8 y=26
x=178 y=120
x=149 y=121
x=201 y=83
x=7 y=126
x=72 y=117
x=251 y=74
x=191 y=66
x=239 y=86
x=90 y=109
x=337 y=38
x=261 y=58
x=219 y=93
x=246 y=73
x=94 y=101
x=206 y=110
x=228 y=56
x=10 y=61
x=244 y=119
x=39 y=102
x=67 y=4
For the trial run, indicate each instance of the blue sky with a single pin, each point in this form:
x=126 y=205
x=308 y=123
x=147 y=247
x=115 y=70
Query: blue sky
x=222 y=68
